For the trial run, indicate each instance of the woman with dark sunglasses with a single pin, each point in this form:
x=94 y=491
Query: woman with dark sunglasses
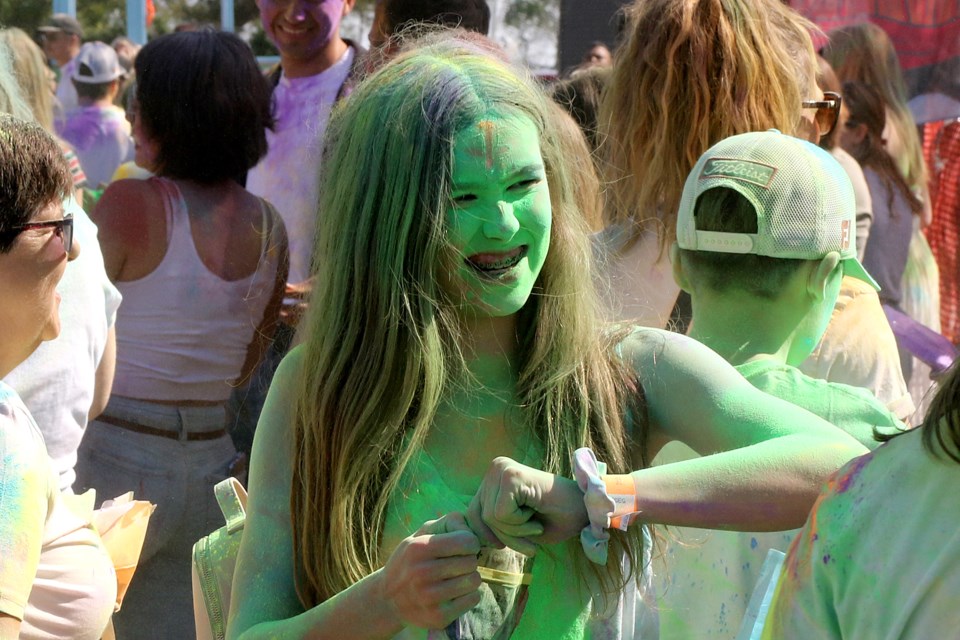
x=201 y=264
x=56 y=579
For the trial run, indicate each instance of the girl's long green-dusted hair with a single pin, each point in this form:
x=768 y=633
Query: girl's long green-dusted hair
x=380 y=347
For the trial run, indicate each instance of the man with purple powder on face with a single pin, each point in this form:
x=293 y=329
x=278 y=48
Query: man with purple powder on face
x=317 y=68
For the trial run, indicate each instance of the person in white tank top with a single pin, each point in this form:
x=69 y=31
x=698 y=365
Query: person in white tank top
x=201 y=264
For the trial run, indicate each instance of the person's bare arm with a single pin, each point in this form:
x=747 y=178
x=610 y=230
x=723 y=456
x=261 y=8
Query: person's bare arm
x=9 y=627
x=264 y=333
x=103 y=379
x=764 y=459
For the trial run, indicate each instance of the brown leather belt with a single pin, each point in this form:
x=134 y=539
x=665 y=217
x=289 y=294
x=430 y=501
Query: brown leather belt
x=162 y=433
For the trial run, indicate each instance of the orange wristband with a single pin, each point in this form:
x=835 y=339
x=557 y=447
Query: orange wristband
x=623 y=492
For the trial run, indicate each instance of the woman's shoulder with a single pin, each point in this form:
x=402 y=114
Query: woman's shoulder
x=125 y=201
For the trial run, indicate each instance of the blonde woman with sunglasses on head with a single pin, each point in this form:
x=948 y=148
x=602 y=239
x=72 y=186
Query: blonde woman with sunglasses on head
x=56 y=579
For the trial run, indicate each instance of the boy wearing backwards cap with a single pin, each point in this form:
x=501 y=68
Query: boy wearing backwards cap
x=765 y=232
x=98 y=129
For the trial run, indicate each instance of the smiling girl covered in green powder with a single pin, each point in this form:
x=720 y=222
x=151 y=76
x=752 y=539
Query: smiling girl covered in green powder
x=454 y=324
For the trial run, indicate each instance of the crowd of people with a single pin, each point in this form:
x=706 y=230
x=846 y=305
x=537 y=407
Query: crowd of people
x=507 y=358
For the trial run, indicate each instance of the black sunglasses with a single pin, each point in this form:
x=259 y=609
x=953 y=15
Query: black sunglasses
x=63 y=228
x=828 y=111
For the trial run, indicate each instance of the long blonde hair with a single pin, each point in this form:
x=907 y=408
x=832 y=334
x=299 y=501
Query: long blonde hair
x=380 y=349
x=32 y=75
x=691 y=73
x=864 y=53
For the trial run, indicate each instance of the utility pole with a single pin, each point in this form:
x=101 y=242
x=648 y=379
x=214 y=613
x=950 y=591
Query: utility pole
x=136 y=21
x=68 y=7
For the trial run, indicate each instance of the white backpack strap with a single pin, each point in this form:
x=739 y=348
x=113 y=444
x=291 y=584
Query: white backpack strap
x=232 y=498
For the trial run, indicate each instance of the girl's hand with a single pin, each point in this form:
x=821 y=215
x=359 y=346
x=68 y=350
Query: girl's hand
x=431 y=578
x=521 y=507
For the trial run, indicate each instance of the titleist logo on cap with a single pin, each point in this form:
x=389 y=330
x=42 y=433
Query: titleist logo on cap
x=745 y=170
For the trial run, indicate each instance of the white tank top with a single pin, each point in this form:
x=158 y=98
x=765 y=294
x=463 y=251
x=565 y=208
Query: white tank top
x=182 y=331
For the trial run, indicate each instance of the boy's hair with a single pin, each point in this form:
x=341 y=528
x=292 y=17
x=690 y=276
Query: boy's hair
x=96 y=71
x=93 y=90
x=725 y=210
x=33 y=174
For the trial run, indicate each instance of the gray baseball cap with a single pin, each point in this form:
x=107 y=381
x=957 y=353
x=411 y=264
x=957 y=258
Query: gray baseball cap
x=62 y=22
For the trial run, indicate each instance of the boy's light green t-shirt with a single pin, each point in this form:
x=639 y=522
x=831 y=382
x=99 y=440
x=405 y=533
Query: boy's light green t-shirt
x=706 y=578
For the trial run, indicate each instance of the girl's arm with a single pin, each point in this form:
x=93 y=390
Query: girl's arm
x=264 y=333
x=429 y=580
x=764 y=459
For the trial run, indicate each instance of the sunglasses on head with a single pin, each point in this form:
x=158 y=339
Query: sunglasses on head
x=62 y=227
x=828 y=111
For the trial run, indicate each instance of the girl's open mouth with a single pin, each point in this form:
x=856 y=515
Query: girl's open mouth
x=496 y=264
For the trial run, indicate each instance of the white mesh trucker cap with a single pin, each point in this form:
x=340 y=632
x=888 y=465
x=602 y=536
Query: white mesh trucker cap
x=102 y=62
x=802 y=197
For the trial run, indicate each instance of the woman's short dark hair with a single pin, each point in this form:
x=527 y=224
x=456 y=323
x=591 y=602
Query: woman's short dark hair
x=204 y=100
x=33 y=174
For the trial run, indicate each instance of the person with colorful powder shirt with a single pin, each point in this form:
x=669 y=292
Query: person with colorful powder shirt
x=453 y=349
x=765 y=233
x=847 y=575
x=56 y=578
x=97 y=128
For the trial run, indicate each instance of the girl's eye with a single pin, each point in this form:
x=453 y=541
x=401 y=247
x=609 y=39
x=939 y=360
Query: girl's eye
x=464 y=198
x=526 y=184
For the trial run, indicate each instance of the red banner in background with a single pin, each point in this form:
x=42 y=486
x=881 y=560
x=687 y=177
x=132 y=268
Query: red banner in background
x=926 y=33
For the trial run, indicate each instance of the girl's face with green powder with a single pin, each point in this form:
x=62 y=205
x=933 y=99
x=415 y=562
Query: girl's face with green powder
x=499 y=218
